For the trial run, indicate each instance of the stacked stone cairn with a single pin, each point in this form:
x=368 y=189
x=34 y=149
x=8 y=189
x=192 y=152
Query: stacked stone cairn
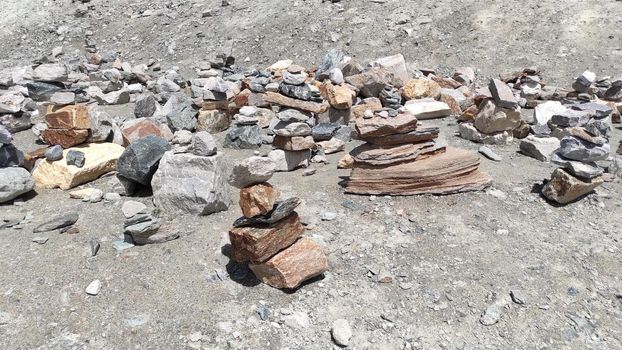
x=269 y=236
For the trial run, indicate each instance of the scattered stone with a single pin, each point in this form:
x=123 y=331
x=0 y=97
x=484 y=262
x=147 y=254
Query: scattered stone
x=57 y=222
x=492 y=119
x=14 y=182
x=490 y=154
x=331 y=146
x=94 y=245
x=493 y=313
x=75 y=158
x=564 y=188
x=540 y=148
x=501 y=92
x=63 y=98
x=140 y=159
x=252 y=171
x=576 y=149
x=341 y=332
x=5 y=136
x=545 y=111
x=289 y=160
x=40 y=240
x=428 y=109
x=93 y=288
x=141 y=227
x=244 y=137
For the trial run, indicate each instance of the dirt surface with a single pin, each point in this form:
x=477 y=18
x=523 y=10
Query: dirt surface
x=492 y=36
x=546 y=276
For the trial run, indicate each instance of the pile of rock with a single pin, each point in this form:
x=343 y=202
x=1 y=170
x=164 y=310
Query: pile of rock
x=269 y=236
x=14 y=180
x=142 y=227
x=402 y=157
x=496 y=117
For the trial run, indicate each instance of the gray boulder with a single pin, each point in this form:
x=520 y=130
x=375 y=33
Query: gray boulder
x=5 y=135
x=179 y=113
x=191 y=184
x=146 y=106
x=580 y=169
x=244 y=137
x=203 y=144
x=10 y=156
x=576 y=149
x=14 y=182
x=252 y=171
x=540 y=148
x=140 y=159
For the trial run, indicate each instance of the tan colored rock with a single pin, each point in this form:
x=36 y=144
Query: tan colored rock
x=331 y=146
x=294 y=265
x=346 y=162
x=64 y=137
x=339 y=96
x=213 y=121
x=100 y=158
x=83 y=193
x=491 y=118
x=295 y=143
x=68 y=117
x=258 y=199
x=469 y=114
x=140 y=128
x=452 y=103
x=421 y=88
x=378 y=126
x=372 y=103
x=258 y=244
x=307 y=106
x=565 y=188
x=396 y=65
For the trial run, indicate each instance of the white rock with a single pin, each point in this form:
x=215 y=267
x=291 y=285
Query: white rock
x=93 y=288
x=131 y=208
x=545 y=111
x=341 y=332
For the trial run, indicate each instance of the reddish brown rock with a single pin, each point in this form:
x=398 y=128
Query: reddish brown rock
x=422 y=133
x=258 y=199
x=371 y=103
x=452 y=103
x=469 y=114
x=307 y=106
x=295 y=143
x=445 y=83
x=378 y=126
x=258 y=244
x=386 y=155
x=296 y=264
x=452 y=171
x=68 y=117
x=339 y=96
x=140 y=129
x=64 y=137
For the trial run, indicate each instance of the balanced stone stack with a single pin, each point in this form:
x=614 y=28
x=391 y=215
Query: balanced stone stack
x=293 y=139
x=584 y=129
x=402 y=157
x=269 y=237
x=498 y=114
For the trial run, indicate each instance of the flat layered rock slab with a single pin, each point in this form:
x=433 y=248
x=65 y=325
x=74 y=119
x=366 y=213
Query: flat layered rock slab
x=453 y=171
x=308 y=106
x=421 y=134
x=387 y=155
x=379 y=127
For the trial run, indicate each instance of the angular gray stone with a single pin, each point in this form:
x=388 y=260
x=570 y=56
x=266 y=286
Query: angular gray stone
x=10 y=156
x=146 y=106
x=51 y=72
x=599 y=127
x=545 y=111
x=540 y=148
x=502 y=93
x=292 y=115
x=140 y=159
x=54 y=153
x=580 y=169
x=251 y=171
x=294 y=79
x=57 y=222
x=490 y=154
x=131 y=208
x=62 y=98
x=5 y=135
x=180 y=115
x=280 y=211
x=75 y=158
x=203 y=144
x=11 y=102
x=570 y=118
x=244 y=137
x=16 y=122
x=141 y=227
x=576 y=149
x=14 y=182
x=113 y=98
x=191 y=184
x=584 y=81
x=597 y=110
x=324 y=131
x=41 y=91
x=294 y=129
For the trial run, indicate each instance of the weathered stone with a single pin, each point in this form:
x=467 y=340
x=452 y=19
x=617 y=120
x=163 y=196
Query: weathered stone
x=203 y=144
x=64 y=137
x=280 y=211
x=421 y=134
x=469 y=132
x=251 y=171
x=258 y=244
x=294 y=79
x=292 y=115
x=338 y=96
x=294 y=129
x=501 y=92
x=140 y=159
x=586 y=136
x=11 y=102
x=369 y=154
x=141 y=227
x=371 y=81
x=112 y=98
x=540 y=148
x=258 y=199
x=308 y=106
x=545 y=111
x=100 y=158
x=584 y=81
x=295 y=143
x=62 y=98
x=378 y=126
x=10 y=156
x=179 y=113
x=372 y=104
x=564 y=188
x=491 y=119
x=489 y=153
x=139 y=128
x=15 y=122
x=75 y=158
x=588 y=170
x=289 y=160
x=570 y=118
x=57 y=222
x=14 y=182
x=599 y=127
x=397 y=66
x=576 y=149
x=191 y=184
x=5 y=136
x=68 y=117
x=324 y=131
x=146 y=106
x=103 y=127
x=341 y=332
x=244 y=137
x=213 y=121
x=292 y=266
x=303 y=92
x=41 y=91
x=428 y=109
x=54 y=153
x=51 y=72
x=346 y=162
x=331 y=146
x=421 y=88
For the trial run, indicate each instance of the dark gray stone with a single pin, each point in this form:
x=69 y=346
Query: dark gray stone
x=390 y=97
x=10 y=156
x=16 y=122
x=599 y=127
x=576 y=149
x=14 y=182
x=597 y=110
x=301 y=92
x=244 y=137
x=203 y=144
x=571 y=118
x=140 y=159
x=180 y=115
x=57 y=222
x=280 y=211
x=40 y=91
x=586 y=170
x=54 y=153
x=141 y=227
x=146 y=106
x=75 y=158
x=5 y=135
x=324 y=131
x=344 y=133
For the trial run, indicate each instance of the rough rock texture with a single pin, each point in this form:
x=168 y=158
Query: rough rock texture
x=491 y=119
x=308 y=106
x=564 y=188
x=258 y=199
x=421 y=88
x=64 y=137
x=292 y=266
x=14 y=182
x=469 y=132
x=258 y=244
x=295 y=143
x=190 y=184
x=540 y=148
x=139 y=128
x=140 y=159
x=213 y=121
x=576 y=149
x=419 y=135
x=68 y=117
x=289 y=160
x=251 y=171
x=100 y=158
x=379 y=127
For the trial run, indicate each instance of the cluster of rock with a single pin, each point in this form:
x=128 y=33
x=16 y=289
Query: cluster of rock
x=14 y=180
x=402 y=157
x=269 y=235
